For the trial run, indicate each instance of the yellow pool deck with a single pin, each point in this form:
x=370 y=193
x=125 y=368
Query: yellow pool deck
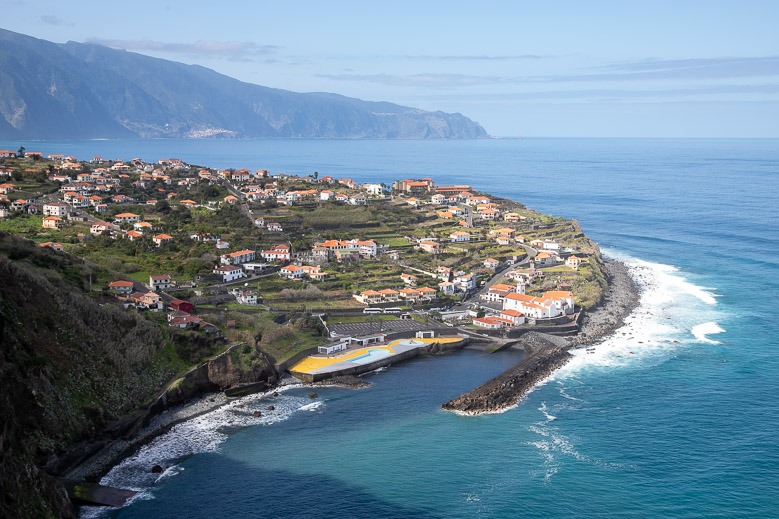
x=319 y=364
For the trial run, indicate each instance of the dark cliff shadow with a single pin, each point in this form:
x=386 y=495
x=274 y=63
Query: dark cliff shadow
x=235 y=489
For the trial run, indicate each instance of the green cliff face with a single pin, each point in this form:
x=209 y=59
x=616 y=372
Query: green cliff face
x=71 y=366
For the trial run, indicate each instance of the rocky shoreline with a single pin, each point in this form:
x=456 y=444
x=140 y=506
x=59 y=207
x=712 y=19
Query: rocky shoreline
x=547 y=353
x=96 y=466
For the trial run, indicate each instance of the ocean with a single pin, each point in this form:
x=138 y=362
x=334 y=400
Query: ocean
x=673 y=416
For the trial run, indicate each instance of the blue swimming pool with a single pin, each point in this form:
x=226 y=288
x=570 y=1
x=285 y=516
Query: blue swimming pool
x=370 y=356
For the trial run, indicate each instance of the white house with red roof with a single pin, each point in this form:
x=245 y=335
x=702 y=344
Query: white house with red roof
x=292 y=272
x=573 y=262
x=491 y=263
x=497 y=293
x=99 y=228
x=465 y=282
x=491 y=323
x=516 y=317
x=238 y=257
x=430 y=246
x=447 y=288
x=369 y=297
x=162 y=239
x=460 y=237
x=127 y=218
x=121 y=287
x=280 y=252
x=409 y=279
x=51 y=222
x=550 y=304
x=60 y=209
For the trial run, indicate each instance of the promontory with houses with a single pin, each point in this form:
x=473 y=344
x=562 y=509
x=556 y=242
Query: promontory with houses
x=225 y=251
x=134 y=286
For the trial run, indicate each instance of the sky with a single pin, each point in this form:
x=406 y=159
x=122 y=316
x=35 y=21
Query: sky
x=596 y=68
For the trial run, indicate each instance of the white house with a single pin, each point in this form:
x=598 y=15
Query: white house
x=573 y=262
x=490 y=323
x=430 y=246
x=332 y=348
x=56 y=209
x=409 y=279
x=229 y=273
x=99 y=228
x=237 y=258
x=438 y=199
x=497 y=293
x=465 y=282
x=127 y=218
x=292 y=272
x=514 y=316
x=460 y=236
x=245 y=297
x=447 y=288
x=280 y=252
x=161 y=239
x=550 y=304
x=491 y=263
x=121 y=287
x=160 y=282
x=374 y=189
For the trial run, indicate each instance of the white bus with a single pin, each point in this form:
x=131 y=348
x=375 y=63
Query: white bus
x=371 y=310
x=392 y=310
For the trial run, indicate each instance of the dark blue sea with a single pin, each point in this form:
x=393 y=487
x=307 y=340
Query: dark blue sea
x=676 y=415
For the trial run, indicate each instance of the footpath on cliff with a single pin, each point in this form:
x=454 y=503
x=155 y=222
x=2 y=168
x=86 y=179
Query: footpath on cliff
x=547 y=353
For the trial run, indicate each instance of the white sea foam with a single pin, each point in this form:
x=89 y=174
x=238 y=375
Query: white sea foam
x=313 y=406
x=545 y=411
x=702 y=331
x=668 y=316
x=553 y=445
x=202 y=434
x=673 y=312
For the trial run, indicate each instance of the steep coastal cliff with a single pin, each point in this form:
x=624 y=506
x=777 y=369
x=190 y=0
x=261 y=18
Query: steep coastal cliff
x=76 y=374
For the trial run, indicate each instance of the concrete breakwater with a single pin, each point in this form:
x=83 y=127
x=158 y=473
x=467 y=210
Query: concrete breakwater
x=508 y=388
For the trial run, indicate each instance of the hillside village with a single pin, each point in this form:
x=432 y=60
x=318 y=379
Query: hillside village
x=230 y=252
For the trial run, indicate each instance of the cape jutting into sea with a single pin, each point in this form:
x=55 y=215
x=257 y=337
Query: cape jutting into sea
x=673 y=416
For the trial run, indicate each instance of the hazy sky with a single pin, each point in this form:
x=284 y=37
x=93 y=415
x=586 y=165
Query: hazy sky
x=656 y=68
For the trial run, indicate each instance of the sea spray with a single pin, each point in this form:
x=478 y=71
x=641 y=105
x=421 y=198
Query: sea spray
x=665 y=318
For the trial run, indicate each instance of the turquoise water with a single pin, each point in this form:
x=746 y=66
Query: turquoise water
x=675 y=416
x=370 y=356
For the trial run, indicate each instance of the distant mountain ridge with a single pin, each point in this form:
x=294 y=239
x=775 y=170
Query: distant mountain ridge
x=77 y=91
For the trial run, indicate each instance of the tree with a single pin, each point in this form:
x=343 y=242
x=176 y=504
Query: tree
x=20 y=152
x=316 y=175
x=162 y=206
